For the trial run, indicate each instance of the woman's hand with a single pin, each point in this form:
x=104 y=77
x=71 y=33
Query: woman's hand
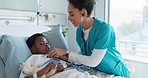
x=56 y=52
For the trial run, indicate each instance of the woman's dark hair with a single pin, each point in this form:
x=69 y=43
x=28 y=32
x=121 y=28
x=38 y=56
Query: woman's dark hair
x=31 y=40
x=86 y=4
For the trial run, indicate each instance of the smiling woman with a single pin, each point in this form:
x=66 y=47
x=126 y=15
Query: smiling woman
x=96 y=40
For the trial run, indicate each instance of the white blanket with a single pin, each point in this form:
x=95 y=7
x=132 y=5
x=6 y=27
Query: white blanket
x=39 y=60
x=73 y=73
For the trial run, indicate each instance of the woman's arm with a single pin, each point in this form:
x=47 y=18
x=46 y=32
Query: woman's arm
x=92 y=61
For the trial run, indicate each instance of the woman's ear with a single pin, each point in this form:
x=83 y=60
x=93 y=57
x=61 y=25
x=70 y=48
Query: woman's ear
x=84 y=12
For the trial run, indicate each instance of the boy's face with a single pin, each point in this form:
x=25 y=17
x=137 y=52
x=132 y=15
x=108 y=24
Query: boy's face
x=40 y=46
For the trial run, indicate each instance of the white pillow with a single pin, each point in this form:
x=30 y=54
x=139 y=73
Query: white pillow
x=56 y=38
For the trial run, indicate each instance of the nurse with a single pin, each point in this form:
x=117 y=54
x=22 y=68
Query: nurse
x=96 y=40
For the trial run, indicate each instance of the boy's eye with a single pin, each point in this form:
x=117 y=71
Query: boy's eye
x=72 y=15
x=41 y=43
x=47 y=43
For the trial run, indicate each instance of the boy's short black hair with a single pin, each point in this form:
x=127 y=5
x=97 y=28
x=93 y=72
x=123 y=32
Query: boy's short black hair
x=86 y=4
x=31 y=40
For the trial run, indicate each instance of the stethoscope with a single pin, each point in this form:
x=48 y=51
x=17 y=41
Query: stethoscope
x=85 y=42
x=75 y=65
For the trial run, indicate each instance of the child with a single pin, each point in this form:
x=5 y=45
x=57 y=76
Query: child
x=38 y=44
x=39 y=47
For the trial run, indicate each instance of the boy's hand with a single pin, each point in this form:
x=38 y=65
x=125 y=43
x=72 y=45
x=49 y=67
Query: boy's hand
x=46 y=69
x=50 y=66
x=60 y=68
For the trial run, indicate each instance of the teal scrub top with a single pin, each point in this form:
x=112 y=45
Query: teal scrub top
x=102 y=36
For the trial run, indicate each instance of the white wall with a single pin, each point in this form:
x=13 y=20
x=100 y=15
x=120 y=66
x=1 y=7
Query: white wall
x=28 y=5
x=57 y=6
x=99 y=9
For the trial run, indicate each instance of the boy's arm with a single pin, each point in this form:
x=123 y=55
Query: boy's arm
x=46 y=69
x=43 y=71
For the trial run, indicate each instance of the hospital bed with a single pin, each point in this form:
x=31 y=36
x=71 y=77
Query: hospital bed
x=13 y=48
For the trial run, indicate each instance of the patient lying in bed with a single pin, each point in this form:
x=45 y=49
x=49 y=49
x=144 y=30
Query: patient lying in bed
x=68 y=73
x=39 y=47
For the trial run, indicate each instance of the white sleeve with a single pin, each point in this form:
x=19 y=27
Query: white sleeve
x=92 y=61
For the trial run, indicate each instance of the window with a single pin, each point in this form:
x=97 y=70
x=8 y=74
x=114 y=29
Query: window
x=130 y=21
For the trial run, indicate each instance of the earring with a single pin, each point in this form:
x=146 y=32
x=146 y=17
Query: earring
x=82 y=18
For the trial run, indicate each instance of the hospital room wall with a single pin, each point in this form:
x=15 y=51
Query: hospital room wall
x=57 y=6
